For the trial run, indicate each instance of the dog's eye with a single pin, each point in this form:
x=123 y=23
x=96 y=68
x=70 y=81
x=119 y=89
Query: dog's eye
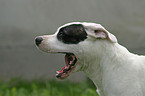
x=60 y=33
x=72 y=34
x=96 y=31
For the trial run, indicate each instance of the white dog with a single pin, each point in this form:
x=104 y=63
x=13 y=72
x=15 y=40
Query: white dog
x=90 y=48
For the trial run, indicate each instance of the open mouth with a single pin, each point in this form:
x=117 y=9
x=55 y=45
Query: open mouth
x=70 y=60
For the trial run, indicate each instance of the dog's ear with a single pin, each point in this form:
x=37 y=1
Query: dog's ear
x=101 y=33
x=111 y=37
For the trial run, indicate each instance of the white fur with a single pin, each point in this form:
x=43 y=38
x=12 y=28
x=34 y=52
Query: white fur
x=113 y=69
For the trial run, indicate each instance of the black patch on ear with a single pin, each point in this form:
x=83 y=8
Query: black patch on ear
x=72 y=34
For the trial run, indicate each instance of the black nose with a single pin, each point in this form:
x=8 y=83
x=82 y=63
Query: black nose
x=38 y=40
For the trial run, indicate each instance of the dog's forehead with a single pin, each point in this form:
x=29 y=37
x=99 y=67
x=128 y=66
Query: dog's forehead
x=85 y=24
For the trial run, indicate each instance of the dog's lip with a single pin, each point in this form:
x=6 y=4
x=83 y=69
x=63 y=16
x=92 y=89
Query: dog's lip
x=61 y=52
x=65 y=53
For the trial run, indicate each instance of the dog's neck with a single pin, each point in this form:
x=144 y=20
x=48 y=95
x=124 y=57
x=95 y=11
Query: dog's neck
x=99 y=69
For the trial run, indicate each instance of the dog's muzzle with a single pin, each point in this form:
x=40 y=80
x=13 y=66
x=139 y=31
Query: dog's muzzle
x=38 y=40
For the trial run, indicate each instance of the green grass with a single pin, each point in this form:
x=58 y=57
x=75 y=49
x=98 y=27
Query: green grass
x=50 y=88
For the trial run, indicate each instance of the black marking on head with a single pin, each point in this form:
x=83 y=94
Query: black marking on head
x=72 y=34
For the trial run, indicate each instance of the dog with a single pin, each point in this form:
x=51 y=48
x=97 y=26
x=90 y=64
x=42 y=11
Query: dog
x=90 y=48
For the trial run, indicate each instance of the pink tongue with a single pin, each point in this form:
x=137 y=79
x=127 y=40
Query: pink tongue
x=61 y=71
x=65 y=67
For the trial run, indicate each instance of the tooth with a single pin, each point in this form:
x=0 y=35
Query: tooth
x=71 y=62
x=57 y=72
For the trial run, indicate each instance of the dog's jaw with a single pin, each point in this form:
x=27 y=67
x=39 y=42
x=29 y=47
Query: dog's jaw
x=51 y=44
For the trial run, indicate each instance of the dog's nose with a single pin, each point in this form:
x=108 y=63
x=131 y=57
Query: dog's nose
x=38 y=40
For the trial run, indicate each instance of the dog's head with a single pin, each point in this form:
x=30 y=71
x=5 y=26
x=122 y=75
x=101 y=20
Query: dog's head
x=79 y=41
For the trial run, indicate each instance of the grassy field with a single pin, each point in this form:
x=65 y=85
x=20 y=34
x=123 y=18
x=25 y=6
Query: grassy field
x=49 y=88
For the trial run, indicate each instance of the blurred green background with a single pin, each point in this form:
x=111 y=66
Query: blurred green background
x=22 y=20
x=16 y=87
